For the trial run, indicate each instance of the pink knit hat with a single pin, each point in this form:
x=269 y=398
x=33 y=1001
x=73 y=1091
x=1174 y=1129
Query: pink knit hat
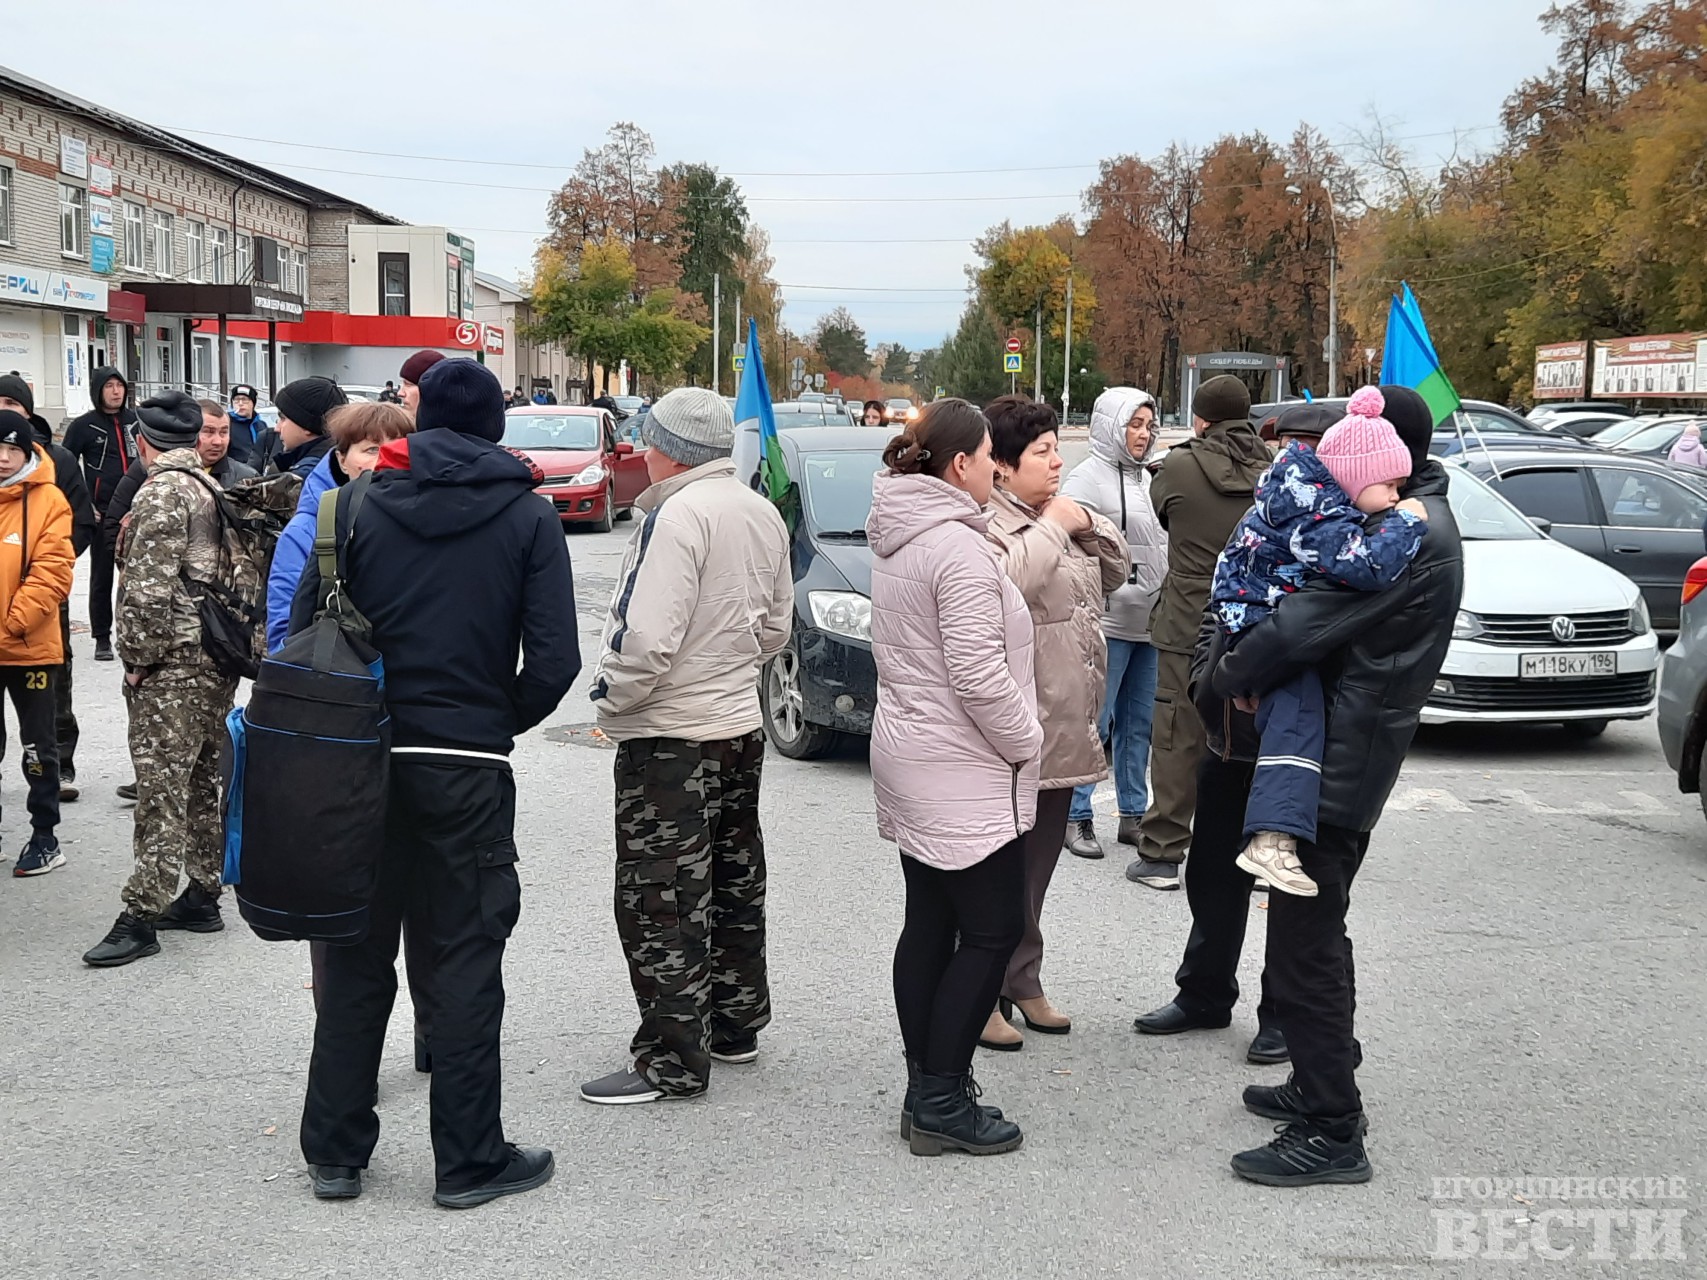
x=1362 y=448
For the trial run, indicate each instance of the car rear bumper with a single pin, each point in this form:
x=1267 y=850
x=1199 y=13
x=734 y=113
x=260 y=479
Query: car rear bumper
x=1479 y=683
x=838 y=678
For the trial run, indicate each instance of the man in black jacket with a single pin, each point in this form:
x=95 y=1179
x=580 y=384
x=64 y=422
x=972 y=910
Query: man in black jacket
x=461 y=568
x=103 y=441
x=15 y=394
x=1378 y=654
x=303 y=406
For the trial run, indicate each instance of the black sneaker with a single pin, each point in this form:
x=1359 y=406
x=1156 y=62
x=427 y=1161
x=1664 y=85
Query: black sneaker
x=626 y=1087
x=195 y=909
x=130 y=938
x=127 y=792
x=40 y=855
x=103 y=651
x=1284 y=1102
x=1157 y=875
x=529 y=1167
x=335 y=1181
x=1303 y=1156
x=738 y=1049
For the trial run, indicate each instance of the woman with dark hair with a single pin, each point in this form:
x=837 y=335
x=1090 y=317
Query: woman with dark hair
x=1065 y=560
x=954 y=749
x=874 y=414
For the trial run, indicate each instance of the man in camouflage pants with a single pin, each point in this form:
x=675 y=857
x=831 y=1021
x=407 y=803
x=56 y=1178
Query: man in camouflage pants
x=705 y=598
x=176 y=697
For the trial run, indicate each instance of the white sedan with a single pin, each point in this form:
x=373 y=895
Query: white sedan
x=1544 y=633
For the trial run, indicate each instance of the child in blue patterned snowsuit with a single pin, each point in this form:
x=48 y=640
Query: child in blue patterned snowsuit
x=1314 y=518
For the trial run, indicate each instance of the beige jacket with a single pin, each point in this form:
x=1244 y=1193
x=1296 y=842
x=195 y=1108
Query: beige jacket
x=1064 y=581
x=705 y=598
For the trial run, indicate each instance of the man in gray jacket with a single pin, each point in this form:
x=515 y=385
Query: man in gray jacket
x=705 y=598
x=1114 y=483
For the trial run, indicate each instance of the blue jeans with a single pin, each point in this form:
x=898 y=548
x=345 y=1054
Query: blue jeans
x=1128 y=709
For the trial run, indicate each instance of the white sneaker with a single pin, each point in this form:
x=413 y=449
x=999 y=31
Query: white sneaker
x=1273 y=856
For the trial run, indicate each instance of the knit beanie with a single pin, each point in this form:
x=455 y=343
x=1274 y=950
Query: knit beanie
x=418 y=364
x=12 y=387
x=15 y=429
x=1412 y=419
x=170 y=420
x=1222 y=398
x=1362 y=448
x=307 y=401
x=691 y=425
x=463 y=396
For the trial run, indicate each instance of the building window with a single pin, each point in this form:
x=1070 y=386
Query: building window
x=133 y=236
x=393 y=284
x=453 y=286
x=5 y=205
x=219 y=243
x=299 y=260
x=165 y=259
x=71 y=201
x=195 y=238
x=245 y=259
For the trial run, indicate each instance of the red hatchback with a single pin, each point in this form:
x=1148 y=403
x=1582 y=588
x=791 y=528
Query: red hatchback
x=591 y=477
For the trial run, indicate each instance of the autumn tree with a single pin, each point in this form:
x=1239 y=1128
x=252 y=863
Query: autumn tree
x=841 y=342
x=616 y=196
x=711 y=230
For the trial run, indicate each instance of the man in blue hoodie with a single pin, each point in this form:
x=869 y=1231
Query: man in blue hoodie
x=246 y=423
x=463 y=573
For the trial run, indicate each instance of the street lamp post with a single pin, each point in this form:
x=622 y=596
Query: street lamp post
x=1333 y=343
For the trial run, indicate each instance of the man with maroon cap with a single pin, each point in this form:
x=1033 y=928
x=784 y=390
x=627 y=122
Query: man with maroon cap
x=411 y=372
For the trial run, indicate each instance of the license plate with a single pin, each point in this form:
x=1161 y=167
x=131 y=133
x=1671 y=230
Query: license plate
x=1569 y=666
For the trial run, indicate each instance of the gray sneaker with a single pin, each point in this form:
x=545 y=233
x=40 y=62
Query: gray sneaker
x=1082 y=840
x=1157 y=875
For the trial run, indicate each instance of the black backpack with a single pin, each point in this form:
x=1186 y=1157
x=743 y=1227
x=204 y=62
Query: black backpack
x=305 y=813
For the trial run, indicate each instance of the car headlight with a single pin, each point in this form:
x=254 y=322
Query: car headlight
x=1467 y=625
x=1640 y=622
x=594 y=474
x=842 y=613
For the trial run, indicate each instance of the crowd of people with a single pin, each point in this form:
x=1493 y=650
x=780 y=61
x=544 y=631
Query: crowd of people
x=1255 y=632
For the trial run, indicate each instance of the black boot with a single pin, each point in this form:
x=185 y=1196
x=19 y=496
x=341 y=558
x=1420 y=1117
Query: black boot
x=946 y=1116
x=130 y=938
x=907 y=1103
x=195 y=909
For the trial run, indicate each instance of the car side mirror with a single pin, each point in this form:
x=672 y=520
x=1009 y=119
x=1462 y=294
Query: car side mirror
x=1542 y=523
x=624 y=448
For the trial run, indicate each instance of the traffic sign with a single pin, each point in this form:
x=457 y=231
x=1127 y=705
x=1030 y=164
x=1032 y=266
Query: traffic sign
x=740 y=362
x=798 y=364
x=1013 y=346
x=1011 y=362
x=796 y=385
x=940 y=393
x=818 y=381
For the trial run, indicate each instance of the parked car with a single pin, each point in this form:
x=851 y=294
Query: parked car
x=591 y=476
x=628 y=406
x=1480 y=423
x=900 y=410
x=1683 y=689
x=1641 y=517
x=1657 y=438
x=1542 y=415
x=824 y=685
x=357 y=391
x=1543 y=633
x=1612 y=436
x=1583 y=424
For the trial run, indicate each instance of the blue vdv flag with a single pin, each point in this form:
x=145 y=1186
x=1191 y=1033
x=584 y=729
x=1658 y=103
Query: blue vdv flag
x=753 y=403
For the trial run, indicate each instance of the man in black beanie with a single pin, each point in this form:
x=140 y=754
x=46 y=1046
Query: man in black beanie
x=462 y=570
x=1379 y=654
x=303 y=406
x=176 y=697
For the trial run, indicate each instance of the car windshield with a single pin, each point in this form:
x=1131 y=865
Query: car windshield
x=838 y=491
x=1624 y=430
x=1659 y=435
x=551 y=431
x=1482 y=515
x=824 y=417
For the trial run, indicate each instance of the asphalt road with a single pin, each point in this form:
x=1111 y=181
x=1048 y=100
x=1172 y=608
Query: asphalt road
x=1530 y=963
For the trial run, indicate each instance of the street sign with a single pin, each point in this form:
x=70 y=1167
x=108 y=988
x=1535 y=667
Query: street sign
x=798 y=364
x=740 y=362
x=818 y=381
x=796 y=385
x=1011 y=362
x=940 y=393
x=1013 y=346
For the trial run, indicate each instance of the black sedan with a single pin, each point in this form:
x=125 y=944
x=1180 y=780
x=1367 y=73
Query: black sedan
x=1644 y=518
x=824 y=685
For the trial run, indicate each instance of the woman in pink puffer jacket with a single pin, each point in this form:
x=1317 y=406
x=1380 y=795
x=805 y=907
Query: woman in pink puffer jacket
x=954 y=758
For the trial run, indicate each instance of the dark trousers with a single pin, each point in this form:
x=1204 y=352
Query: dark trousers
x=1219 y=895
x=415 y=958
x=1176 y=746
x=690 y=900
x=65 y=719
x=1312 y=980
x=31 y=691
x=1287 y=785
x=101 y=591
x=450 y=855
x=1042 y=843
x=961 y=928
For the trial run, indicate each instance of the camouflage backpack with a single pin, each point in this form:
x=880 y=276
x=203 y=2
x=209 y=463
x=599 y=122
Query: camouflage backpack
x=233 y=607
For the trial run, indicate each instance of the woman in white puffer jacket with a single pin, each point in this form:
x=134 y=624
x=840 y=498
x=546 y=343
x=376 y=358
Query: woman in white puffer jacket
x=1114 y=482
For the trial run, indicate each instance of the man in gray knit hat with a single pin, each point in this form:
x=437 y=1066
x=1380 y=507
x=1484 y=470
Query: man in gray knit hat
x=705 y=598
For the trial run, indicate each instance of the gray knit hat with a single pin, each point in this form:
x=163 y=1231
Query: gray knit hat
x=692 y=425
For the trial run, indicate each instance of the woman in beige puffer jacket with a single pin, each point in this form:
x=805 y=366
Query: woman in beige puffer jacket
x=1065 y=560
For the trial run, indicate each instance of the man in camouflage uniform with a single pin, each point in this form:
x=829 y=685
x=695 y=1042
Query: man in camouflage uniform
x=706 y=597
x=177 y=699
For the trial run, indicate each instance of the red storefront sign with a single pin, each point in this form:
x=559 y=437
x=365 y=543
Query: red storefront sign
x=127 y=308
x=337 y=329
x=494 y=340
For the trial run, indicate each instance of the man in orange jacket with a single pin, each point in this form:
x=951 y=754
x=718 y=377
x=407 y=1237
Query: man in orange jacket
x=37 y=564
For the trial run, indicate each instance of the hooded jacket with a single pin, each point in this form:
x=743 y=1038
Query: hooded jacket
x=303 y=459
x=1203 y=489
x=85 y=524
x=244 y=433
x=704 y=600
x=292 y=550
x=1688 y=451
x=1378 y=654
x=37 y=565
x=464 y=574
x=955 y=742
x=1113 y=483
x=1063 y=580
x=103 y=442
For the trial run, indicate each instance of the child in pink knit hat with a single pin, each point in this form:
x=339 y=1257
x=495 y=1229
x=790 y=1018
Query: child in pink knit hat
x=1329 y=513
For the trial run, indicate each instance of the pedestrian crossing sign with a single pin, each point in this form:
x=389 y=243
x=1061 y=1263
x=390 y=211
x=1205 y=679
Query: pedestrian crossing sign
x=1011 y=362
x=740 y=362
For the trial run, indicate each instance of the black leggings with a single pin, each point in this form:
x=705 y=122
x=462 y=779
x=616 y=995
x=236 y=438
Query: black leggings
x=943 y=991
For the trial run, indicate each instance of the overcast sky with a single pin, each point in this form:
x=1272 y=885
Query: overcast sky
x=778 y=94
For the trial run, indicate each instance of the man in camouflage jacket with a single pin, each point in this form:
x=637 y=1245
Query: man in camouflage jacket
x=176 y=697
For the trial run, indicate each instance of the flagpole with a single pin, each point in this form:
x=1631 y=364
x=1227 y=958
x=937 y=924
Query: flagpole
x=716 y=330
